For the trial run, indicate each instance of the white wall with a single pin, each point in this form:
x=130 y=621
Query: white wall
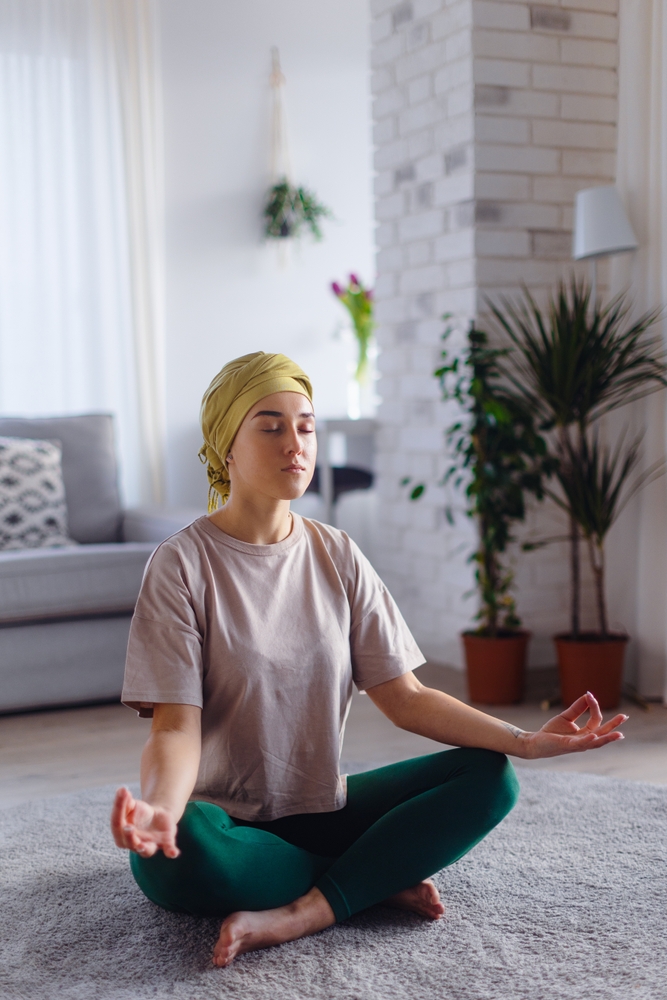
x=226 y=291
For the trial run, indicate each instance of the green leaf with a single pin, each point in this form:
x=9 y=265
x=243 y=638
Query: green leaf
x=289 y=211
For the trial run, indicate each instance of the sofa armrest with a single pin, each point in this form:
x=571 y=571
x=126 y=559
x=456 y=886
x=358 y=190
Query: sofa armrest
x=154 y=524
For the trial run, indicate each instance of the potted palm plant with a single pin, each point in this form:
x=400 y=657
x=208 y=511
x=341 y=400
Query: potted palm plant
x=574 y=362
x=498 y=456
x=596 y=484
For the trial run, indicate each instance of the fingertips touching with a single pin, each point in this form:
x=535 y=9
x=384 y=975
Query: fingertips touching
x=593 y=706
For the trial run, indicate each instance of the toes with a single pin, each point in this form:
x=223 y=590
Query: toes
x=221 y=957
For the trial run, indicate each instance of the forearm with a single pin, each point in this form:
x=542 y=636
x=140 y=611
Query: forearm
x=440 y=717
x=169 y=766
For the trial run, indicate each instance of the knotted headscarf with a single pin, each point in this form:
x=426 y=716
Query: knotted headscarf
x=231 y=394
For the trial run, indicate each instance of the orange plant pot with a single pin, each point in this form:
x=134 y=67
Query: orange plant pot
x=495 y=667
x=591 y=664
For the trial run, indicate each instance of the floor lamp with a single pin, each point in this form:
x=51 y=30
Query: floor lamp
x=601 y=227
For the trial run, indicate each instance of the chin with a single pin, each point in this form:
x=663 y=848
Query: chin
x=294 y=490
x=286 y=491
x=294 y=494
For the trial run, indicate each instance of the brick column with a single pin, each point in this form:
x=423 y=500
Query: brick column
x=488 y=117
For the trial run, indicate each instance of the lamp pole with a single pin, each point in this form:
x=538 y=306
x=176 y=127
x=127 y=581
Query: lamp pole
x=594 y=280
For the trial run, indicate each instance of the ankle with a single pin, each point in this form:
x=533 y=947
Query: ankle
x=312 y=912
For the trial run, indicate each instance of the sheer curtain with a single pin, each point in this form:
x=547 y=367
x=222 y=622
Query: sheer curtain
x=80 y=221
x=642 y=181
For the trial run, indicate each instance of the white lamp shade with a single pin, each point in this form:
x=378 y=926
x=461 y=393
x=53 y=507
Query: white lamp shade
x=600 y=223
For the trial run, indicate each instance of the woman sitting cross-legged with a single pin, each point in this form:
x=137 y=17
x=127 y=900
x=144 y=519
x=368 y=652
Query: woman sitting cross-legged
x=251 y=628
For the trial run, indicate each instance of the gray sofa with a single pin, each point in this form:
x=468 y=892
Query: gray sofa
x=65 y=613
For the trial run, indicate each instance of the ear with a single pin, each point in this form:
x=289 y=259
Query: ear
x=230 y=457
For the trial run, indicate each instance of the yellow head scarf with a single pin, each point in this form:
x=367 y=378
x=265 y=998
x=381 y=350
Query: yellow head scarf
x=231 y=394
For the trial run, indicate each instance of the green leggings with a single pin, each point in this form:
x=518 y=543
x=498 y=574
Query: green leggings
x=401 y=824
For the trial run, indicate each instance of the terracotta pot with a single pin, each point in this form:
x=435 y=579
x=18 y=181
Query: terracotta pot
x=591 y=664
x=495 y=667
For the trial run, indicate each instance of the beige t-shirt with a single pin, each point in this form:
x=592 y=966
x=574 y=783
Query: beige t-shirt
x=267 y=640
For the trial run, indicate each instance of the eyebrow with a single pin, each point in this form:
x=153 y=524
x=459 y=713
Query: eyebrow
x=277 y=413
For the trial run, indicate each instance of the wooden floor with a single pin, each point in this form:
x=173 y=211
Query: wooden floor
x=49 y=753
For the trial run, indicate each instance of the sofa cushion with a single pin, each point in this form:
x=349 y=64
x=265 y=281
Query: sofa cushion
x=90 y=579
x=90 y=473
x=33 y=512
x=62 y=663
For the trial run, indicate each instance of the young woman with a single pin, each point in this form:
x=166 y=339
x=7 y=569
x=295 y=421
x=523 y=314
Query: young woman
x=251 y=627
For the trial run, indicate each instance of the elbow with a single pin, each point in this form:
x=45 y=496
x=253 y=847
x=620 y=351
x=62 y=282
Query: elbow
x=405 y=713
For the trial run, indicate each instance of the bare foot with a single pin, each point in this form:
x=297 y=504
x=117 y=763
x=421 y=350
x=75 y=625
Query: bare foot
x=423 y=898
x=250 y=930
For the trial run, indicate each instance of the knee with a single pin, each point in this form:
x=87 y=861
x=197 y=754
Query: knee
x=496 y=781
x=180 y=883
x=493 y=782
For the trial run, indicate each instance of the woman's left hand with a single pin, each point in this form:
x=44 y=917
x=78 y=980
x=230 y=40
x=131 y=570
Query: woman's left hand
x=562 y=734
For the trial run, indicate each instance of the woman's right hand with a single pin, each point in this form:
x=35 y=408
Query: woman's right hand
x=140 y=827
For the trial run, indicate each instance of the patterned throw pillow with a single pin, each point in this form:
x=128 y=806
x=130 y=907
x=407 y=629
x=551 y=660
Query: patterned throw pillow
x=33 y=511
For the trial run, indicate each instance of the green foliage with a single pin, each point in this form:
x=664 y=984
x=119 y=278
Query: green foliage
x=577 y=360
x=358 y=301
x=574 y=362
x=499 y=456
x=593 y=486
x=290 y=210
x=596 y=485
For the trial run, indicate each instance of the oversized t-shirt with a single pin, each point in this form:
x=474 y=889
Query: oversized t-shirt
x=267 y=640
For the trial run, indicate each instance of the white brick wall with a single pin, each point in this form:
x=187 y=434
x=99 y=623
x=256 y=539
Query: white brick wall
x=488 y=117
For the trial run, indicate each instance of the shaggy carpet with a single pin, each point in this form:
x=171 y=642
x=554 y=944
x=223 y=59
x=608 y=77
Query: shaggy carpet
x=568 y=897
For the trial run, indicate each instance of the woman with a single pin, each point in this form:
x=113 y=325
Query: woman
x=251 y=627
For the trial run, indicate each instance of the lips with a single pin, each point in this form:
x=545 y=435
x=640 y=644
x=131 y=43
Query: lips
x=294 y=468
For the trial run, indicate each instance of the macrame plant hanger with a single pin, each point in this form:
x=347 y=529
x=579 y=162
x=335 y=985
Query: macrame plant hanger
x=281 y=164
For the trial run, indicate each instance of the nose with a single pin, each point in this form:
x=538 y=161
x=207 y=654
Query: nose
x=294 y=442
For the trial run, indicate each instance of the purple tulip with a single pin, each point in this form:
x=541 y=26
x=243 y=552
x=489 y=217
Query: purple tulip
x=336 y=289
x=355 y=281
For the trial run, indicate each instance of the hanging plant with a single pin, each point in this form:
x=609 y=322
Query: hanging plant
x=290 y=211
x=359 y=303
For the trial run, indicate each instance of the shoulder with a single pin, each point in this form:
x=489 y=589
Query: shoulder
x=338 y=544
x=354 y=569
x=179 y=551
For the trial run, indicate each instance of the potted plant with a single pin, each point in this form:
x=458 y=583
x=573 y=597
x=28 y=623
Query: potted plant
x=499 y=456
x=290 y=210
x=574 y=362
x=596 y=485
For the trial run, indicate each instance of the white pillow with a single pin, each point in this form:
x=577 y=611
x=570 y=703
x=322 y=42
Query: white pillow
x=33 y=510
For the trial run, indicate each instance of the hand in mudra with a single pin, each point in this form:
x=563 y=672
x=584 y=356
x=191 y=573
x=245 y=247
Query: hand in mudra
x=562 y=735
x=140 y=827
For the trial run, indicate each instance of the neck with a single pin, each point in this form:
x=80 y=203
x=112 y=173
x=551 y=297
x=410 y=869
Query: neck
x=257 y=520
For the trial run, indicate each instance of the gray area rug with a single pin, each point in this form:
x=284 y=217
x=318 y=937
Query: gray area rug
x=568 y=897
